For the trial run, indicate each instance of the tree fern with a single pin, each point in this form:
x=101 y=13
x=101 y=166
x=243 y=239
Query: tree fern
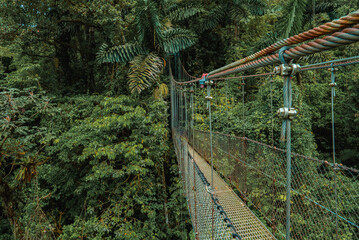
x=122 y=53
x=144 y=72
x=175 y=40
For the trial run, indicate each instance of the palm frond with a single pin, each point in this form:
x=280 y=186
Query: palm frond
x=177 y=39
x=238 y=12
x=214 y=18
x=147 y=19
x=325 y=7
x=293 y=17
x=255 y=7
x=185 y=12
x=122 y=53
x=145 y=70
x=267 y=40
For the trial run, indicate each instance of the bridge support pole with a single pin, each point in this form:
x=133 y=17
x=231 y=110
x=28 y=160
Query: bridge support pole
x=288 y=114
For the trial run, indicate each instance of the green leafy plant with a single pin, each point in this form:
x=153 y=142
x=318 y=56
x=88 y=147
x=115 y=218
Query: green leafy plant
x=144 y=72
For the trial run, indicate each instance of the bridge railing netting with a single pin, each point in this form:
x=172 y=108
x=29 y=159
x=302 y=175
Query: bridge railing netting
x=208 y=222
x=323 y=197
x=258 y=172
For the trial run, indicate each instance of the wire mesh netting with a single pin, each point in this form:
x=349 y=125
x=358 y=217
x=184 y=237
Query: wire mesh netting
x=258 y=172
x=324 y=198
x=208 y=218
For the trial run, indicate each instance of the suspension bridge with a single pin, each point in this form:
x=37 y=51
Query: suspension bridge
x=239 y=188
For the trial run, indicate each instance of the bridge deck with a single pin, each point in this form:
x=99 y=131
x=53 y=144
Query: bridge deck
x=246 y=223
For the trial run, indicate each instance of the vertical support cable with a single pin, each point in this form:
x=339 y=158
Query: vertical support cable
x=172 y=98
x=180 y=108
x=333 y=85
x=271 y=108
x=244 y=188
x=227 y=107
x=186 y=114
x=287 y=113
x=208 y=97
x=243 y=128
x=194 y=173
x=287 y=93
x=177 y=109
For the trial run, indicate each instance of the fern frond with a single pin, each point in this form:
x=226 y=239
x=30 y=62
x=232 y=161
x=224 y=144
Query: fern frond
x=122 y=53
x=175 y=40
x=144 y=72
x=185 y=12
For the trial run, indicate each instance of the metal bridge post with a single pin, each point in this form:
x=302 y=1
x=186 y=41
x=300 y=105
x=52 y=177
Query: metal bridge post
x=244 y=145
x=333 y=85
x=186 y=112
x=209 y=98
x=287 y=113
x=172 y=105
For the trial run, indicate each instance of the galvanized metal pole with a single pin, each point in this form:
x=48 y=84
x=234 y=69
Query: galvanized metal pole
x=333 y=85
x=172 y=103
x=289 y=158
x=287 y=113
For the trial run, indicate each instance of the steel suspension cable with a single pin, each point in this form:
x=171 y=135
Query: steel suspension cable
x=271 y=108
x=345 y=37
x=227 y=105
x=330 y=27
x=209 y=98
x=243 y=122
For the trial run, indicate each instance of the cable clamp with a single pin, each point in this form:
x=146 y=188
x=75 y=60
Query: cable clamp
x=209 y=82
x=209 y=189
x=333 y=84
x=286 y=70
x=209 y=98
x=332 y=69
x=287 y=113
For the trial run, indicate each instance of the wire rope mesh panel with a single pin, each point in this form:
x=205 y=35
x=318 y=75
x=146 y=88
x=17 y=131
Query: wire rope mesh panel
x=258 y=172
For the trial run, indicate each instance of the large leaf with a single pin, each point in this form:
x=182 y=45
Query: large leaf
x=293 y=17
x=144 y=72
x=175 y=40
x=147 y=20
x=255 y=7
x=122 y=53
x=185 y=12
x=214 y=17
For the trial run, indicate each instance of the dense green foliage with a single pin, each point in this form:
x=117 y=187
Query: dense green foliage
x=85 y=141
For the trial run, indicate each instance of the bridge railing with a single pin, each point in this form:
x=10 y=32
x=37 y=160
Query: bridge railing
x=210 y=221
x=258 y=172
x=296 y=196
